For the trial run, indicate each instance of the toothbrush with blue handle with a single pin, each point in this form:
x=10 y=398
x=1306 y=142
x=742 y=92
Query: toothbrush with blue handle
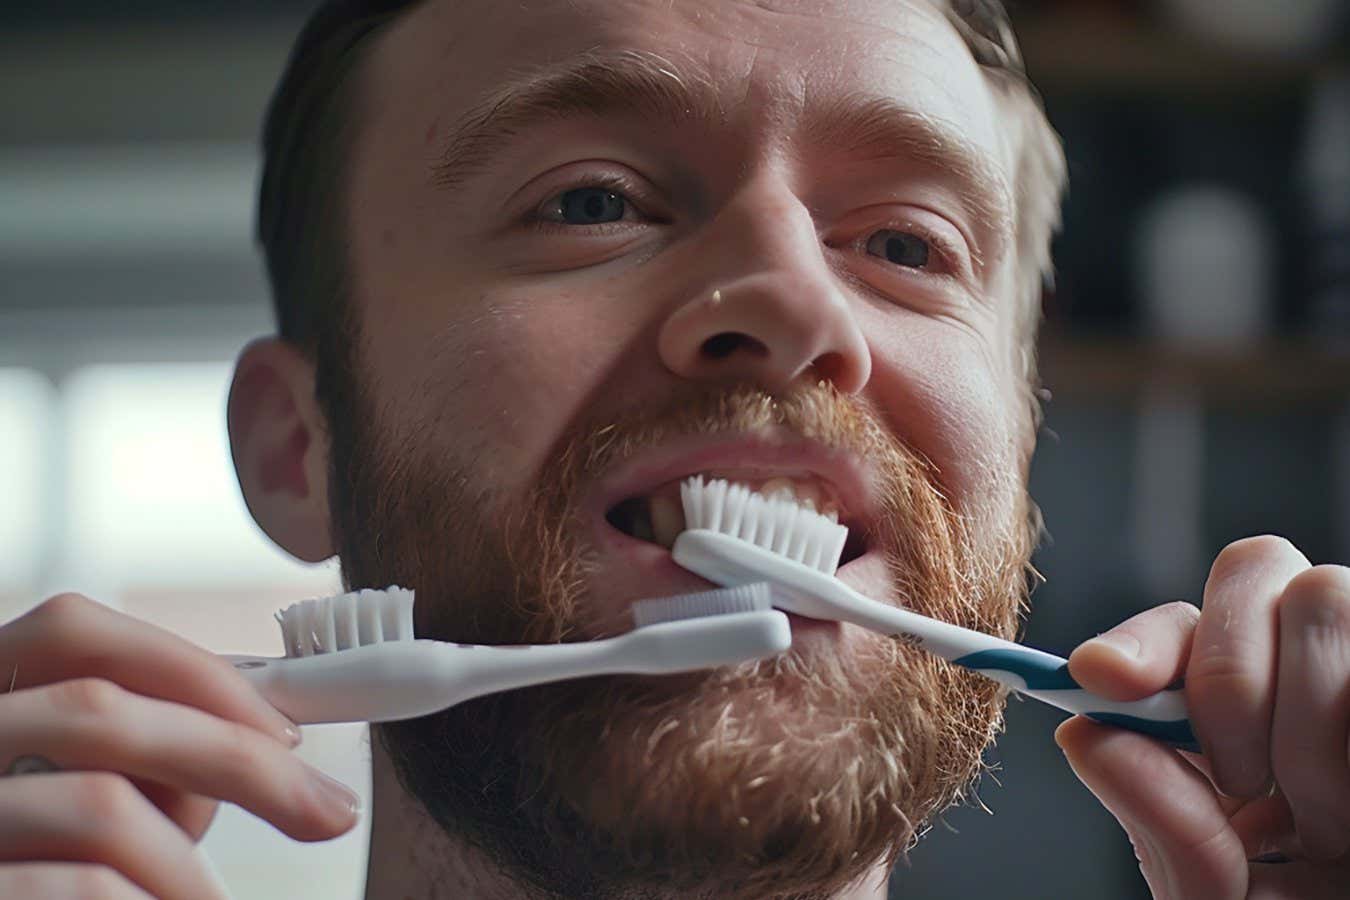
x=735 y=536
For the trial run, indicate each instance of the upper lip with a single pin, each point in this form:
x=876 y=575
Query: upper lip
x=766 y=454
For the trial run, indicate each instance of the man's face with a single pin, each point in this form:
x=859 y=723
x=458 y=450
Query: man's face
x=599 y=246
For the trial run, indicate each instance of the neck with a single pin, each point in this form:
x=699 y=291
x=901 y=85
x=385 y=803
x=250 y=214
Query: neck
x=412 y=857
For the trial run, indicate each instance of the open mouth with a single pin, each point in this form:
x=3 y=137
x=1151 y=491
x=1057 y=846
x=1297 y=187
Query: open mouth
x=657 y=517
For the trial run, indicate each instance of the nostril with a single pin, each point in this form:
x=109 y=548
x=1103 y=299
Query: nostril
x=830 y=366
x=720 y=346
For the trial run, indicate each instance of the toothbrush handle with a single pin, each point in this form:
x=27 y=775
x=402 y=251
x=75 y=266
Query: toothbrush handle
x=405 y=679
x=1033 y=673
x=368 y=684
x=1046 y=677
x=808 y=590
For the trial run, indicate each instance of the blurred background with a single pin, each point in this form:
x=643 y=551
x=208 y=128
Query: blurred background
x=1197 y=348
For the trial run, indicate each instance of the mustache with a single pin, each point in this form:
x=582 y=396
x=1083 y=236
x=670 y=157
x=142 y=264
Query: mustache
x=536 y=537
x=941 y=562
x=815 y=412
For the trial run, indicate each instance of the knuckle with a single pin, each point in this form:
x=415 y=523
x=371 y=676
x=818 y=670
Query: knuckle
x=1224 y=675
x=62 y=612
x=1239 y=555
x=1230 y=657
x=1319 y=596
x=1180 y=613
x=90 y=696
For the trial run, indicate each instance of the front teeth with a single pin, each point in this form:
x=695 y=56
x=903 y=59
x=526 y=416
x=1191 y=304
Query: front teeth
x=777 y=487
x=661 y=519
x=808 y=495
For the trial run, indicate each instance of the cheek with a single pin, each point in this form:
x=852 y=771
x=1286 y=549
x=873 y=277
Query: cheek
x=500 y=377
x=951 y=399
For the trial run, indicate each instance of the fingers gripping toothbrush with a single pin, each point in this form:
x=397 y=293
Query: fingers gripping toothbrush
x=734 y=536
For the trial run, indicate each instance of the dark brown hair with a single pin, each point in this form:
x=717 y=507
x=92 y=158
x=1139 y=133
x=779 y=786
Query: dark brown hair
x=304 y=142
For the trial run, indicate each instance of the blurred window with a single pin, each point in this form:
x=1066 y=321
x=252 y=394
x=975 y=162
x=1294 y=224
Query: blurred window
x=153 y=500
x=26 y=403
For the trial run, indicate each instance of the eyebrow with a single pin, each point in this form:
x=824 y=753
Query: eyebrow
x=881 y=127
x=631 y=82
x=645 y=85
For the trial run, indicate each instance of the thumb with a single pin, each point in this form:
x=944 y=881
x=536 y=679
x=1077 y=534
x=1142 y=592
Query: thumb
x=1183 y=839
x=1140 y=656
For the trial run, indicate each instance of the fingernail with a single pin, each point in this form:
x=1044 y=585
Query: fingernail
x=288 y=732
x=1059 y=742
x=1121 y=642
x=334 y=796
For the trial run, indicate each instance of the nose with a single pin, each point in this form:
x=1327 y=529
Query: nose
x=768 y=309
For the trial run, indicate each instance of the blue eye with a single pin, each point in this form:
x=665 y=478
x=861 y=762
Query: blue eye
x=589 y=206
x=899 y=247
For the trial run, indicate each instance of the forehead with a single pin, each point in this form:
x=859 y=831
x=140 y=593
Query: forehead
x=767 y=61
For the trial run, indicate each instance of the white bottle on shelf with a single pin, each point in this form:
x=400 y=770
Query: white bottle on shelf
x=1206 y=262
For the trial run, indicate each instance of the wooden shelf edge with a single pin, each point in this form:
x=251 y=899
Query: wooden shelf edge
x=1094 y=51
x=1276 y=370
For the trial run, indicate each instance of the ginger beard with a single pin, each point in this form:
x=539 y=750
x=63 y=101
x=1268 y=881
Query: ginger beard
x=789 y=777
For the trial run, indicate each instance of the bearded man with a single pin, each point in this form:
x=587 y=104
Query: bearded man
x=536 y=263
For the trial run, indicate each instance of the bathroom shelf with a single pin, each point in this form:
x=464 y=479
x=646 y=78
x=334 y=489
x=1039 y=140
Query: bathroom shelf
x=1275 y=372
x=1088 y=52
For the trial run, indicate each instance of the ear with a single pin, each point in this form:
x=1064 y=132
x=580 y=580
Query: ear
x=280 y=447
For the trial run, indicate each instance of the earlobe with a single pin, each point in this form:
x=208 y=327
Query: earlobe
x=280 y=447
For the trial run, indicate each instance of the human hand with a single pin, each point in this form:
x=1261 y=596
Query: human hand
x=1267 y=670
x=147 y=733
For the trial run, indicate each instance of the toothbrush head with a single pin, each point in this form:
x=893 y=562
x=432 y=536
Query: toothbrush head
x=698 y=631
x=746 y=598
x=329 y=624
x=777 y=524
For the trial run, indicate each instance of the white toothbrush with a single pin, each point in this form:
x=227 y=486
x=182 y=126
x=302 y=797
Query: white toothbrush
x=735 y=536
x=353 y=658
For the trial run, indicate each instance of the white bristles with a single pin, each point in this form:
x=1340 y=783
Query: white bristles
x=330 y=624
x=746 y=598
x=779 y=523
